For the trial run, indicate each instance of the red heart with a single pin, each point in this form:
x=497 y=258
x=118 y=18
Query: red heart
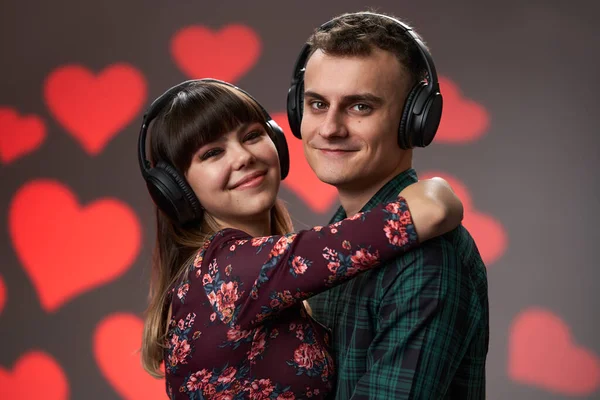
x=66 y=249
x=301 y=179
x=2 y=294
x=19 y=135
x=227 y=54
x=542 y=354
x=91 y=108
x=463 y=120
x=35 y=376
x=487 y=231
x=117 y=341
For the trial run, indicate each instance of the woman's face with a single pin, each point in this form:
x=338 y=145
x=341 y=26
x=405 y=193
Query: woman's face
x=237 y=176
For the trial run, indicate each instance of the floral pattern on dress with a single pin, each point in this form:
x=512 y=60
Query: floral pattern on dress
x=246 y=294
x=179 y=342
x=279 y=301
x=232 y=383
x=222 y=294
x=309 y=357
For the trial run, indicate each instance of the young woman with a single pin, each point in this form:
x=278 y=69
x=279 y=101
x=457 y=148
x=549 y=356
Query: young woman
x=226 y=317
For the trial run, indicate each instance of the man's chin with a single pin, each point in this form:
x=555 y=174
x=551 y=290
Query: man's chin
x=332 y=179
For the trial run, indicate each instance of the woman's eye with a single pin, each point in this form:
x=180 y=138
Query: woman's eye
x=211 y=153
x=253 y=135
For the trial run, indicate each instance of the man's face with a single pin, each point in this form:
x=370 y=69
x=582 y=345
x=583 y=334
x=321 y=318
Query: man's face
x=352 y=110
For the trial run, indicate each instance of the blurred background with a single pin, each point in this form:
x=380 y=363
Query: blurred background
x=518 y=141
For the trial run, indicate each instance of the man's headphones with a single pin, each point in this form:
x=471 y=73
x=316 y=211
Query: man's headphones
x=422 y=110
x=169 y=190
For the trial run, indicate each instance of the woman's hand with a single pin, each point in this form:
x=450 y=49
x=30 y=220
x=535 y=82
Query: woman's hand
x=434 y=207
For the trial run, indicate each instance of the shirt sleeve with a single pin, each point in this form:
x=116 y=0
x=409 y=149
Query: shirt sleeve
x=250 y=279
x=426 y=323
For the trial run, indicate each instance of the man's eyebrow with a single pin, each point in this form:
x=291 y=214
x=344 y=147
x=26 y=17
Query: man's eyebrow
x=353 y=98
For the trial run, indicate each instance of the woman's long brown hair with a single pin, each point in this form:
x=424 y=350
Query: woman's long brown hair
x=197 y=115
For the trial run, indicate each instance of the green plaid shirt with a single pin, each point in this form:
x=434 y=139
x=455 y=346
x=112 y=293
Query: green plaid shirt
x=416 y=328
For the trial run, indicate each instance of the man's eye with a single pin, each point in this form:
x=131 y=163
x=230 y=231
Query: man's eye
x=361 y=107
x=317 y=105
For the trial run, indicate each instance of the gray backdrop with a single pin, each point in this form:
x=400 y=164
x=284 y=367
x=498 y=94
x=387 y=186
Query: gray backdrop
x=518 y=140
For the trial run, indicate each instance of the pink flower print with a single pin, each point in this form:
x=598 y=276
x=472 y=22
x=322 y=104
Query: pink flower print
x=346 y=245
x=258 y=345
x=198 y=379
x=362 y=259
x=260 y=389
x=179 y=353
x=227 y=375
x=212 y=298
x=355 y=216
x=329 y=254
x=280 y=247
x=299 y=265
x=228 y=270
x=259 y=241
x=182 y=290
x=207 y=279
x=405 y=218
x=333 y=266
x=227 y=295
x=287 y=297
x=198 y=260
x=212 y=267
x=209 y=390
x=274 y=303
x=393 y=208
x=396 y=233
x=235 y=334
x=307 y=355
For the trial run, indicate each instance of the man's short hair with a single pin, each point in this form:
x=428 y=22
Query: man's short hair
x=356 y=34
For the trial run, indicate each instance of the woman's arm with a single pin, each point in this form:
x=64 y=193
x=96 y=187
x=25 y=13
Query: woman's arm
x=434 y=206
x=250 y=279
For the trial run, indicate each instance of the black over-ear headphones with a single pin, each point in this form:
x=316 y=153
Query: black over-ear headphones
x=168 y=188
x=422 y=110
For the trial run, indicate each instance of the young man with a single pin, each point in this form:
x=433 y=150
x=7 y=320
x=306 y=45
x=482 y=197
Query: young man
x=418 y=327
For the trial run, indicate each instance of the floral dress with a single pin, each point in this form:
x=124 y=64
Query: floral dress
x=239 y=329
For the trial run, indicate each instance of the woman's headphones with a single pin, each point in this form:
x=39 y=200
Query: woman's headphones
x=422 y=110
x=169 y=190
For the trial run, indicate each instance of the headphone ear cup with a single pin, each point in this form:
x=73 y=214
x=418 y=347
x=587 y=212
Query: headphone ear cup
x=282 y=147
x=295 y=104
x=172 y=194
x=427 y=123
x=405 y=134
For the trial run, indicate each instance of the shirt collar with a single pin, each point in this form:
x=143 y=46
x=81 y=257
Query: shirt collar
x=387 y=193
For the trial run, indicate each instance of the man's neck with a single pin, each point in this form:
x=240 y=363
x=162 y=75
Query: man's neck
x=353 y=199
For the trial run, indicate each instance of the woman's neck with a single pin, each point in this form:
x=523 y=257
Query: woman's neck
x=256 y=226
